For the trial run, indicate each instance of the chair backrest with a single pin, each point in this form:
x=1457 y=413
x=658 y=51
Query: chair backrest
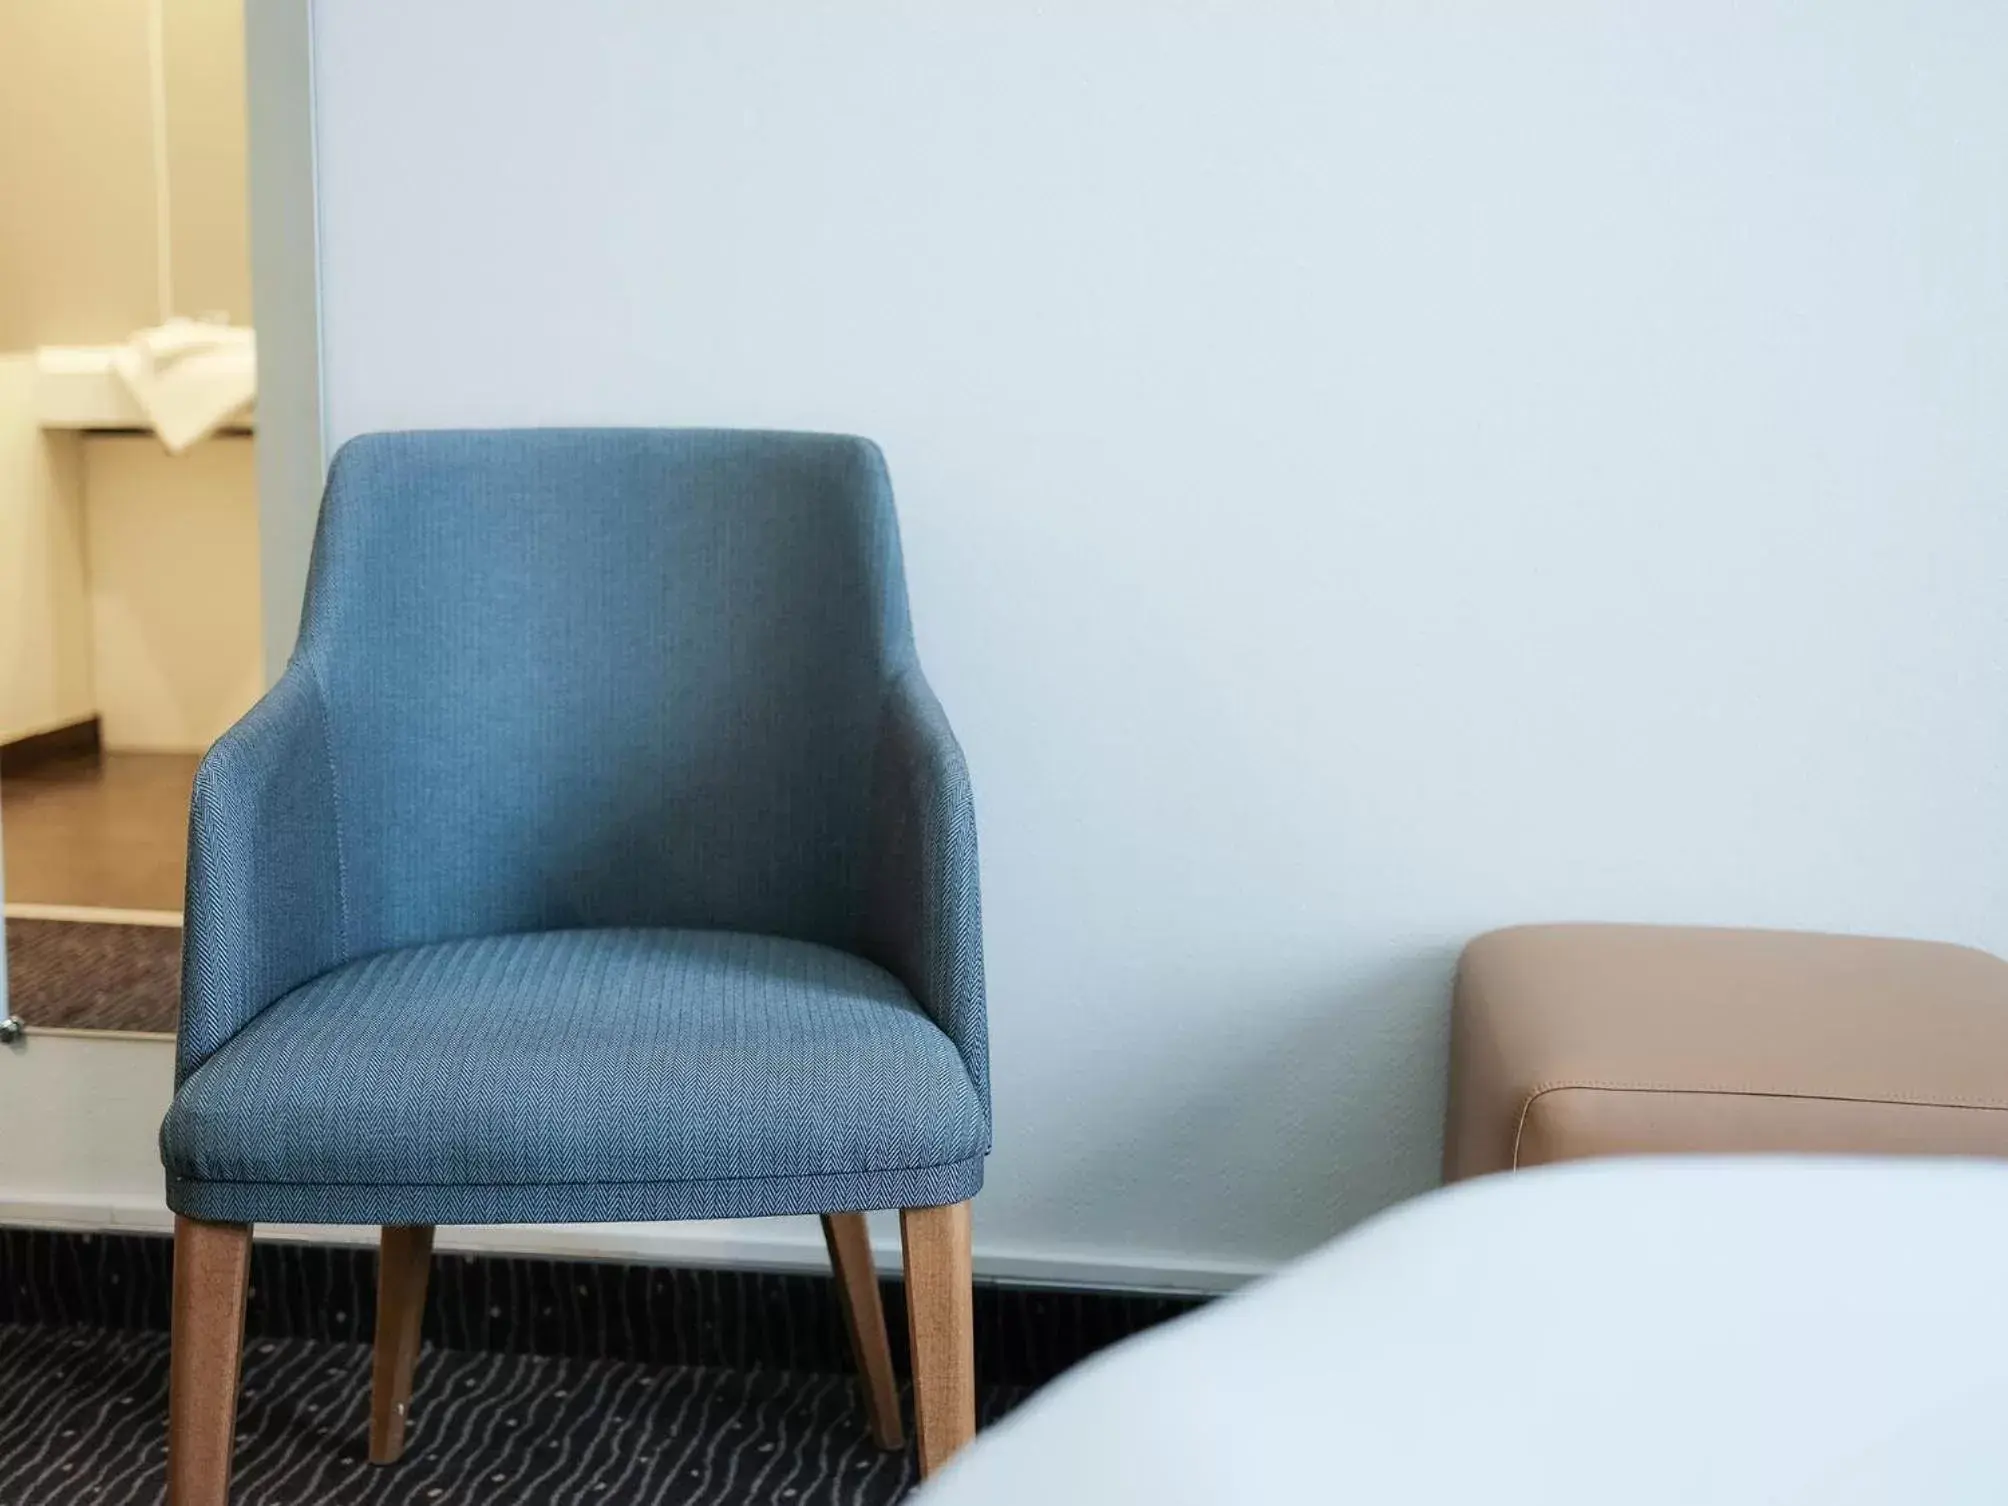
x=603 y=677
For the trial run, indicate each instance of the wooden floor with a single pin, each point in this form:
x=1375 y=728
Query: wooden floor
x=109 y=832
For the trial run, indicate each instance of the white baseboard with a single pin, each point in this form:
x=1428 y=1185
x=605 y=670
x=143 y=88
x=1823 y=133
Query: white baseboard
x=80 y=1112
x=762 y=1244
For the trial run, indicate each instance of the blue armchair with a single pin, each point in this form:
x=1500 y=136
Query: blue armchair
x=601 y=854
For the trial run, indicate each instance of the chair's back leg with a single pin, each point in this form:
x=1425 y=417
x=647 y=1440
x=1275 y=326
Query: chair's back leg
x=212 y=1268
x=864 y=1319
x=404 y=1260
x=939 y=1309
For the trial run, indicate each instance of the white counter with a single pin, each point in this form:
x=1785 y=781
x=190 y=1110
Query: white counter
x=76 y=388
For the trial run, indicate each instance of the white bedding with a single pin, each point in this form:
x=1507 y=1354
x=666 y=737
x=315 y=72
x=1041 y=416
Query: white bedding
x=1615 y=1332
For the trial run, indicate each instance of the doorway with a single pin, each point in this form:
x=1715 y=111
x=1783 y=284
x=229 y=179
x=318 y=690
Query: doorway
x=136 y=500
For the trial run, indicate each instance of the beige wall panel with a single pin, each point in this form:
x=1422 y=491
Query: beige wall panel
x=77 y=209
x=208 y=235
x=174 y=589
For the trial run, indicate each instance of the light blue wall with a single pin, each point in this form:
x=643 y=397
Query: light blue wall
x=1371 y=473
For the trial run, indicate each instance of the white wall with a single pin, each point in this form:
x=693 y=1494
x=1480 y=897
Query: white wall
x=1370 y=473
x=278 y=77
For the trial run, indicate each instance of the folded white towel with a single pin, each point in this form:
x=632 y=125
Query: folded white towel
x=189 y=377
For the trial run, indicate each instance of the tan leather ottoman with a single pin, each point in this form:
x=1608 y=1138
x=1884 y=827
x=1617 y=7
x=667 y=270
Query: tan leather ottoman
x=1573 y=1041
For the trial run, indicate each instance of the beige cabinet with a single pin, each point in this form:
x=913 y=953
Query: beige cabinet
x=173 y=586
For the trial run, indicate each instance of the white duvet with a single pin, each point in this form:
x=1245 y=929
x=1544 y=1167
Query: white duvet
x=1614 y=1332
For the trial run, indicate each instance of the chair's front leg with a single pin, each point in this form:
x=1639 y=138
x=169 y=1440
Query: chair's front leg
x=212 y=1268
x=404 y=1260
x=941 y=1320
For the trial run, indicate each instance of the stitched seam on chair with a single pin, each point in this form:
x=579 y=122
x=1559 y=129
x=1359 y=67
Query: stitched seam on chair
x=334 y=802
x=1527 y=1105
x=778 y=1176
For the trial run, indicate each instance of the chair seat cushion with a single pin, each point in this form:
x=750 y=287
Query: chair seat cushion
x=577 y=1075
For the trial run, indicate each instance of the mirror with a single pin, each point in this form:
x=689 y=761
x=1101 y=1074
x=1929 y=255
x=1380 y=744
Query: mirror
x=129 y=572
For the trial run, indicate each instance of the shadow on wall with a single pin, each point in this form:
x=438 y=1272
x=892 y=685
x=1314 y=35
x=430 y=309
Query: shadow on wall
x=1302 y=1112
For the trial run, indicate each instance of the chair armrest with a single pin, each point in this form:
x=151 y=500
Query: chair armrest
x=924 y=919
x=265 y=909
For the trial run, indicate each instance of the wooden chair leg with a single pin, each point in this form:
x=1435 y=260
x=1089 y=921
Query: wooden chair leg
x=212 y=1269
x=864 y=1319
x=939 y=1310
x=404 y=1260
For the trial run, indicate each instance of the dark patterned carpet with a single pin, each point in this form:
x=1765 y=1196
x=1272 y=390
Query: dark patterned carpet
x=83 y=1415
x=571 y=1309
x=81 y=975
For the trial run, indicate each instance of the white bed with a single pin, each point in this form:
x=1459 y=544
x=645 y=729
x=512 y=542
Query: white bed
x=1616 y=1332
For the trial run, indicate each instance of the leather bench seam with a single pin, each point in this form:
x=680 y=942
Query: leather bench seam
x=1527 y=1104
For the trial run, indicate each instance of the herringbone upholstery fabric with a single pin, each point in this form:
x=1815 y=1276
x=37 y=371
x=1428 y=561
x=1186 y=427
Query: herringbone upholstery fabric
x=578 y=1060
x=571 y=699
